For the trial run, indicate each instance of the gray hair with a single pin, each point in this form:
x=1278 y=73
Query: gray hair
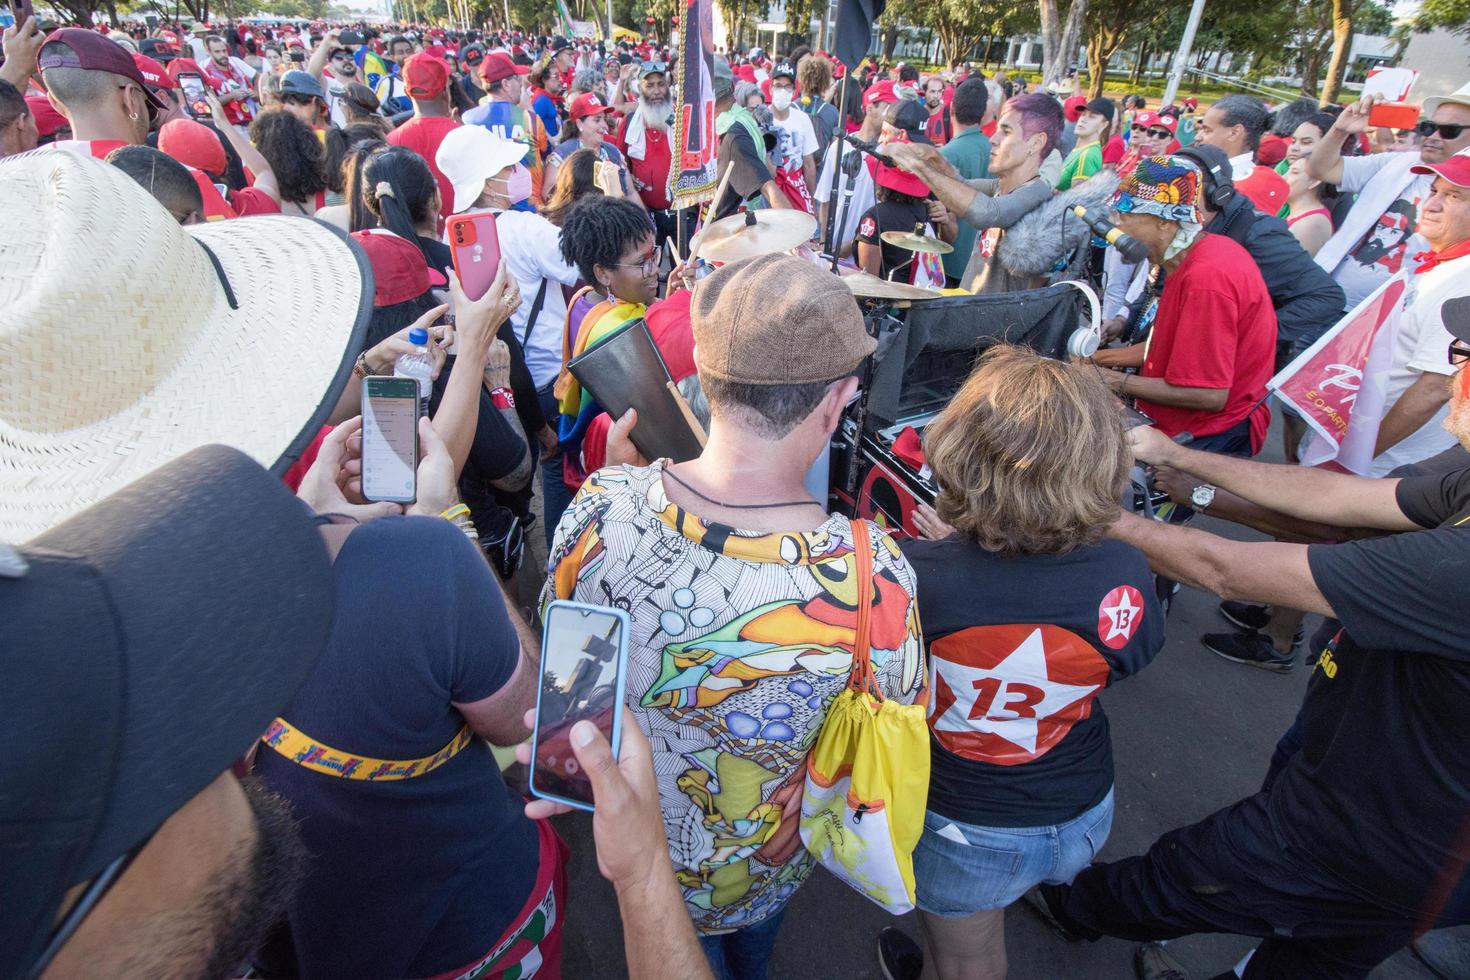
x=744 y=90
x=587 y=80
x=1246 y=111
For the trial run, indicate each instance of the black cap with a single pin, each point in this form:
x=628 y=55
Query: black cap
x=471 y=55
x=909 y=116
x=1212 y=162
x=560 y=43
x=1103 y=107
x=152 y=639
x=784 y=69
x=159 y=49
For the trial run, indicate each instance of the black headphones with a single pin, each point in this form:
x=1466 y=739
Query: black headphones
x=1219 y=187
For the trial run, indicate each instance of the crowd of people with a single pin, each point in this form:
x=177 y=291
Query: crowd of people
x=254 y=712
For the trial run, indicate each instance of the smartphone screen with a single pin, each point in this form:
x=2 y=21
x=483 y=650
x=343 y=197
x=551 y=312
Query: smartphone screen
x=584 y=649
x=390 y=416
x=195 y=98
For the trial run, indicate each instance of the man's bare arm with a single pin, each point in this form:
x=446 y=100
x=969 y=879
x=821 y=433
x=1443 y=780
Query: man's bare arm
x=1259 y=572
x=1416 y=406
x=1297 y=491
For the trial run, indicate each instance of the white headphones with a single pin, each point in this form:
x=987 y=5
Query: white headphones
x=1085 y=341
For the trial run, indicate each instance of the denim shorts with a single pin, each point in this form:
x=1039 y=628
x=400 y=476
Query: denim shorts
x=961 y=868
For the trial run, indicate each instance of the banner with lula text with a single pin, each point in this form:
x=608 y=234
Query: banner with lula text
x=693 y=175
x=1336 y=385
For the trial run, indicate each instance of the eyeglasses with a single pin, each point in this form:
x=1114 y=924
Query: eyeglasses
x=1449 y=131
x=648 y=266
x=1459 y=352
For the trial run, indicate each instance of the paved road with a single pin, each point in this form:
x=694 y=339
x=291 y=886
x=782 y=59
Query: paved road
x=1191 y=733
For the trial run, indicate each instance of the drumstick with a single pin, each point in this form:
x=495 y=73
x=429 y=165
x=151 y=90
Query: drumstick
x=689 y=415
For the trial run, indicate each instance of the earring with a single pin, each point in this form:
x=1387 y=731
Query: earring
x=133 y=116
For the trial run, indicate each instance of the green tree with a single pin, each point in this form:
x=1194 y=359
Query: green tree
x=1452 y=15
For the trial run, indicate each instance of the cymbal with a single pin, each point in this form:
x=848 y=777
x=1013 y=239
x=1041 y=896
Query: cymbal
x=763 y=232
x=915 y=242
x=867 y=286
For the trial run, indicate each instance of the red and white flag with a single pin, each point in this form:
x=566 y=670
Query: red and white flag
x=1338 y=384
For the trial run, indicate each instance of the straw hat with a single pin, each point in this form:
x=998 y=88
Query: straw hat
x=122 y=351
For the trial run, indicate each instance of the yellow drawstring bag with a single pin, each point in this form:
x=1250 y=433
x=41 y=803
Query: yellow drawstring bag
x=867 y=782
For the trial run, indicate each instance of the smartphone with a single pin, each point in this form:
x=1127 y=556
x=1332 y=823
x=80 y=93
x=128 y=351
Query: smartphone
x=584 y=657
x=390 y=439
x=474 y=242
x=349 y=37
x=21 y=10
x=196 y=101
x=297 y=56
x=1393 y=115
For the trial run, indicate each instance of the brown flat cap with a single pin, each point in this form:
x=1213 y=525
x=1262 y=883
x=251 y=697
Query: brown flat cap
x=777 y=320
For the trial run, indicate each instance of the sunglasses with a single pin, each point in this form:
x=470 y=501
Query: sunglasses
x=1449 y=131
x=1459 y=352
x=1158 y=134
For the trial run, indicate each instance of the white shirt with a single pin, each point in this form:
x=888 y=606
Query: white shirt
x=863 y=193
x=1419 y=347
x=530 y=246
x=1241 y=166
x=797 y=139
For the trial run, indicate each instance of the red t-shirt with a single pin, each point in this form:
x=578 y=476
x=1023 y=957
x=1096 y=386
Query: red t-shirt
x=253 y=200
x=1215 y=328
x=651 y=174
x=423 y=134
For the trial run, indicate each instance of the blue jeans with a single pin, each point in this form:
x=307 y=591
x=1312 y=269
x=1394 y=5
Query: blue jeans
x=744 y=953
x=962 y=868
x=555 y=495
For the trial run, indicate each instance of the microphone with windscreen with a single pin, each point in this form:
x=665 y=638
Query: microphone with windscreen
x=1129 y=247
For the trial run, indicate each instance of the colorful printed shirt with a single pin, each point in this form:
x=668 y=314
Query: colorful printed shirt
x=740 y=641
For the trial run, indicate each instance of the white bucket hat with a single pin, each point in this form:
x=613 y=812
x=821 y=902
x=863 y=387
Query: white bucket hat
x=471 y=155
x=1460 y=96
x=124 y=348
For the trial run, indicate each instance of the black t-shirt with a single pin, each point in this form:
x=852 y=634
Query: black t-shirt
x=1018 y=650
x=1380 y=792
x=418 y=876
x=892 y=216
x=750 y=173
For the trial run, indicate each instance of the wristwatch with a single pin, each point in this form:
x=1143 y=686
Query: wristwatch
x=1202 y=496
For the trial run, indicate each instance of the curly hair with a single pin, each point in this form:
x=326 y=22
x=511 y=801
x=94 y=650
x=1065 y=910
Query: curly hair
x=1029 y=454
x=597 y=231
x=296 y=156
x=574 y=181
x=815 y=74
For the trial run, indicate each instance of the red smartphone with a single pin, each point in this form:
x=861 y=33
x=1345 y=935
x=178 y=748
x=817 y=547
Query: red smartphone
x=475 y=244
x=1393 y=115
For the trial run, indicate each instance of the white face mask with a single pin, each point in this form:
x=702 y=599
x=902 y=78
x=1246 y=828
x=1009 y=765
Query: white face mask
x=781 y=98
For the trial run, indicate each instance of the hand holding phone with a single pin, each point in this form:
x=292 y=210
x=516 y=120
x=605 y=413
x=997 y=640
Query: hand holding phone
x=196 y=94
x=584 y=655
x=390 y=443
x=1393 y=115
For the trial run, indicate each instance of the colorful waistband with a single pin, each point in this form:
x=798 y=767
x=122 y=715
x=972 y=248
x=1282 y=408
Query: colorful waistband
x=296 y=746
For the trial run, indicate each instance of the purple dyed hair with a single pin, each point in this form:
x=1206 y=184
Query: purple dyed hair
x=1040 y=113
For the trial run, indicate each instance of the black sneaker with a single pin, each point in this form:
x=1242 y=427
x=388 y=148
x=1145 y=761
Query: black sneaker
x=1254 y=649
x=1036 y=898
x=1246 y=615
x=1152 y=962
x=899 y=957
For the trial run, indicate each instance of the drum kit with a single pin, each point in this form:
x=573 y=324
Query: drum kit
x=771 y=230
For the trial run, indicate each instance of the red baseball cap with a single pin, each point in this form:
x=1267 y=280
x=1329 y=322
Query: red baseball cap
x=497 y=66
x=586 y=105
x=194 y=145
x=746 y=73
x=425 y=76
x=93 y=52
x=48 y=120
x=399 y=270
x=1073 y=107
x=900 y=180
x=183 y=65
x=881 y=91
x=1456 y=169
x=153 y=72
x=1147 y=119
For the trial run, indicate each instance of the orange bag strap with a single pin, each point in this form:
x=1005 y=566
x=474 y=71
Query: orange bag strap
x=861 y=677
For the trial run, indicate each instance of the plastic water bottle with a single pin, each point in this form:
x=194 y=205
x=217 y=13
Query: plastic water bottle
x=417 y=364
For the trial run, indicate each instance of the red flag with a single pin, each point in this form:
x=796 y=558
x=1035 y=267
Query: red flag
x=1336 y=383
